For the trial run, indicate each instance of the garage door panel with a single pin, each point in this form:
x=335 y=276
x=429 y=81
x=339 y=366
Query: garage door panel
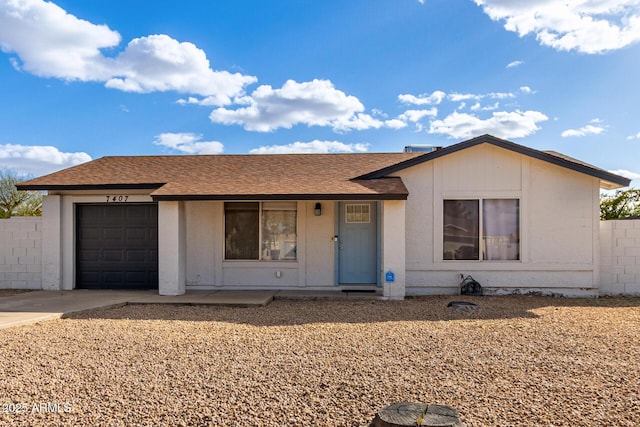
x=137 y=233
x=88 y=234
x=91 y=212
x=136 y=256
x=117 y=246
x=140 y=214
x=89 y=255
x=138 y=277
x=112 y=234
x=112 y=255
x=112 y=277
x=90 y=277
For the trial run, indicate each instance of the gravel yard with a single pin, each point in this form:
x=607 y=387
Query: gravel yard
x=514 y=361
x=9 y=292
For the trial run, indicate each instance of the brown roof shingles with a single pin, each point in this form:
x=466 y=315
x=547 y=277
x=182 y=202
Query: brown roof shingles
x=321 y=176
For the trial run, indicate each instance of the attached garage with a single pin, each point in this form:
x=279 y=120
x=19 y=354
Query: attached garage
x=117 y=246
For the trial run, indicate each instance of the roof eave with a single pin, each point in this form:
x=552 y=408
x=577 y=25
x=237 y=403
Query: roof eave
x=62 y=187
x=608 y=185
x=235 y=197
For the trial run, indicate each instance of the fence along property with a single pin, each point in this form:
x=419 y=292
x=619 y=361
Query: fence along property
x=21 y=253
x=620 y=257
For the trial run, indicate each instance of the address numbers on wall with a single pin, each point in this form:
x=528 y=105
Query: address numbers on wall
x=117 y=199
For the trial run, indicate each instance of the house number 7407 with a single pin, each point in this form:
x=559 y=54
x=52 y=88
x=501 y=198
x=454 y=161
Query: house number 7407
x=117 y=199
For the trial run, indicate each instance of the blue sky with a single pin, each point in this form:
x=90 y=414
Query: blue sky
x=84 y=79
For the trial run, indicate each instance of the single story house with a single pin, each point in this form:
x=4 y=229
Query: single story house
x=515 y=218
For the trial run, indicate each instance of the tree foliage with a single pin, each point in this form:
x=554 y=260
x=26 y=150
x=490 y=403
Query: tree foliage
x=14 y=202
x=622 y=204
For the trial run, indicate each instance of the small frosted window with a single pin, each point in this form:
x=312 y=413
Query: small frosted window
x=357 y=213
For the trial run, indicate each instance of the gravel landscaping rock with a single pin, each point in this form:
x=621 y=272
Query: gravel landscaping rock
x=512 y=361
x=10 y=292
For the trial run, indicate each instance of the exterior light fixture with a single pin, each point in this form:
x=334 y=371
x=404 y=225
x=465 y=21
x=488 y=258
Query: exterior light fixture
x=317 y=211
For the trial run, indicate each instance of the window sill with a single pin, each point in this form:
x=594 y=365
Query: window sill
x=243 y=263
x=481 y=261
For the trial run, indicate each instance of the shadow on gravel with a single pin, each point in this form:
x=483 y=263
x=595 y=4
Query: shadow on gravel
x=12 y=292
x=301 y=312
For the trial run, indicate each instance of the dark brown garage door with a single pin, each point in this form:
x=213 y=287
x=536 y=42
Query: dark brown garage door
x=117 y=246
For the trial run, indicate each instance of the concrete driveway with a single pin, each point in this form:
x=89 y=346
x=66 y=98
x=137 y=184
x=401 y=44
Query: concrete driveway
x=35 y=306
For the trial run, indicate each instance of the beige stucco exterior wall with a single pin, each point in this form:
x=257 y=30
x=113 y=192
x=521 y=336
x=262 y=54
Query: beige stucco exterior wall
x=203 y=258
x=393 y=249
x=171 y=248
x=558 y=223
x=51 y=243
x=207 y=269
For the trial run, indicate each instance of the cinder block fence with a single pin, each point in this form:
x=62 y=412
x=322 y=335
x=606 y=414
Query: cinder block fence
x=620 y=257
x=21 y=253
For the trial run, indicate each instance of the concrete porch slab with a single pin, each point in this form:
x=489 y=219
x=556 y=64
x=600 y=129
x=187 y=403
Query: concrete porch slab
x=327 y=295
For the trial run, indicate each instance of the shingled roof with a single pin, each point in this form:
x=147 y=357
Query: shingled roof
x=236 y=177
x=363 y=176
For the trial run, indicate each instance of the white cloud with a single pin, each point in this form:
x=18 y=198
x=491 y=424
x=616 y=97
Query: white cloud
x=626 y=173
x=417 y=115
x=52 y=43
x=411 y=116
x=434 y=99
x=478 y=107
x=514 y=64
x=500 y=95
x=38 y=159
x=455 y=97
x=438 y=96
x=158 y=63
x=314 y=103
x=395 y=124
x=587 y=26
x=636 y=136
x=359 y=121
x=189 y=143
x=503 y=124
x=379 y=113
x=583 y=131
x=314 y=146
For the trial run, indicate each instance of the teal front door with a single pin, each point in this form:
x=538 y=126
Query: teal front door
x=357 y=243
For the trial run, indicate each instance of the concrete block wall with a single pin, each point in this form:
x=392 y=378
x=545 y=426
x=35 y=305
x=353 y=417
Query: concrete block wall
x=21 y=253
x=620 y=257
